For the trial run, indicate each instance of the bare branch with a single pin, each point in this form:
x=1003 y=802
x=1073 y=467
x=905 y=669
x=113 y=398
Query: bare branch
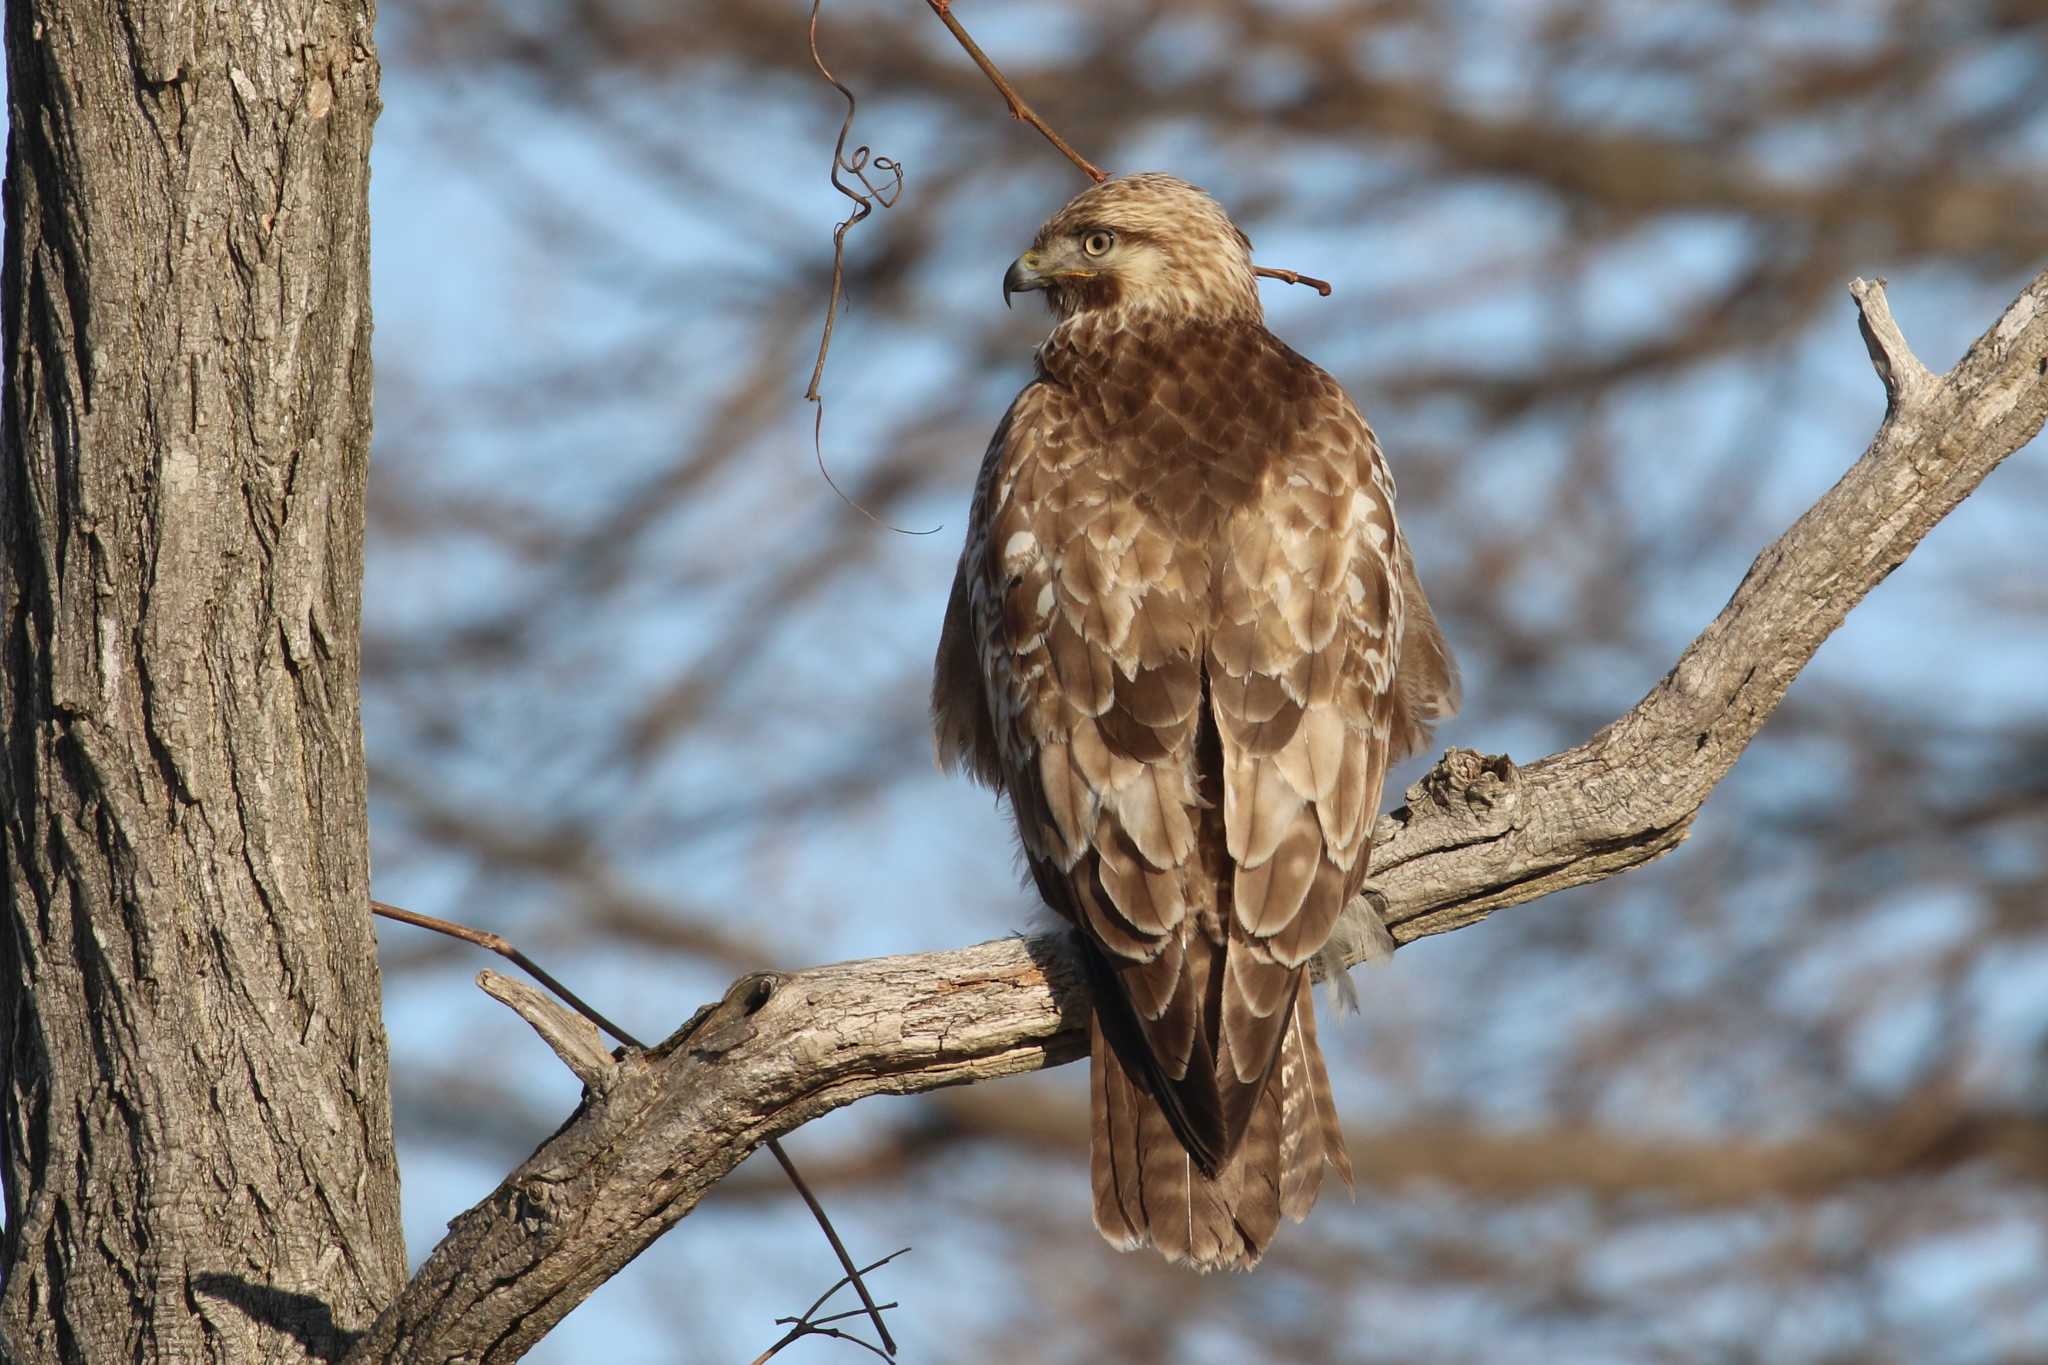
x=576 y=1042
x=1018 y=108
x=1475 y=836
x=573 y=1038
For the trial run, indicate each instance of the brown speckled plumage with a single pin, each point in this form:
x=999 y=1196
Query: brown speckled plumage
x=1186 y=638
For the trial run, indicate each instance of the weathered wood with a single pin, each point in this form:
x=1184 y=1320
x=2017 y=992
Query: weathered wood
x=197 y=1131
x=570 y=1036
x=1475 y=836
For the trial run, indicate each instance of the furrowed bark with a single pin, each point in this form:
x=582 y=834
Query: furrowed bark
x=195 y=1121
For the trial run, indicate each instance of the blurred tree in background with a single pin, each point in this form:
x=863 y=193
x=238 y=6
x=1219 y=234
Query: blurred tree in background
x=643 y=695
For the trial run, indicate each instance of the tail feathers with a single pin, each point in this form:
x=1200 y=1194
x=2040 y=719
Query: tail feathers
x=1149 y=1191
x=1309 y=1132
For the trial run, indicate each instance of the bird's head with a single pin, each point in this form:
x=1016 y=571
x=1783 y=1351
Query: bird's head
x=1139 y=245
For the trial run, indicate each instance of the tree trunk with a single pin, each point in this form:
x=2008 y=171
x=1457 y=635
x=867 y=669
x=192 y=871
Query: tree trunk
x=197 y=1131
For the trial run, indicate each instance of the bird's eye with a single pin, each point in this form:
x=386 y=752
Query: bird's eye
x=1098 y=241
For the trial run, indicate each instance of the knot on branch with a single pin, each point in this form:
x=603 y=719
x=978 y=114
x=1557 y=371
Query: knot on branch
x=1468 y=798
x=1484 y=790
x=717 y=1029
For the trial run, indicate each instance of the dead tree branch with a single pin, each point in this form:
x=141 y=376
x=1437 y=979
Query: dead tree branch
x=1476 y=835
x=574 y=1039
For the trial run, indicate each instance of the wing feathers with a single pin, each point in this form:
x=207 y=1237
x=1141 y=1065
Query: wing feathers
x=1270 y=894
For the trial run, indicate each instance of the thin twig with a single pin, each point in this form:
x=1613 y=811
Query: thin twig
x=805 y=1324
x=841 y=1283
x=840 y=1316
x=493 y=943
x=818 y=1211
x=1293 y=277
x=1025 y=113
x=809 y=1331
x=1018 y=108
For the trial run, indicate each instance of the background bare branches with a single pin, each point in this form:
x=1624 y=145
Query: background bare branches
x=1781 y=1097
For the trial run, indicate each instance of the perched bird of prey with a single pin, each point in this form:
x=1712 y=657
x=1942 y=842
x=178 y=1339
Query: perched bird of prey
x=1187 y=640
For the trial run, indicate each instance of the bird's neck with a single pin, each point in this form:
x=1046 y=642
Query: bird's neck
x=1089 y=343
x=1153 y=311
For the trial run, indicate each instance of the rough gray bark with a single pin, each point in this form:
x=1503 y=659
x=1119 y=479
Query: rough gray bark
x=657 y=1129
x=195 y=1119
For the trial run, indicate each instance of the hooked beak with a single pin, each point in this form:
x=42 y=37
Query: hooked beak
x=1039 y=269
x=1023 y=276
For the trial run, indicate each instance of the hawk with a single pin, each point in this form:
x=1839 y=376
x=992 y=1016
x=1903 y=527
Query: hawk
x=1187 y=640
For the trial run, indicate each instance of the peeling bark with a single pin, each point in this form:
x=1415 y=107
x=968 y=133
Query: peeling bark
x=195 y=1121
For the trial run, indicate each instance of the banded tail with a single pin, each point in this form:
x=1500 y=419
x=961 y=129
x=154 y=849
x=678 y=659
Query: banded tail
x=1149 y=1191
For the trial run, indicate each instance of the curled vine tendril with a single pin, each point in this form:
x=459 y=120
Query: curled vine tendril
x=850 y=176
